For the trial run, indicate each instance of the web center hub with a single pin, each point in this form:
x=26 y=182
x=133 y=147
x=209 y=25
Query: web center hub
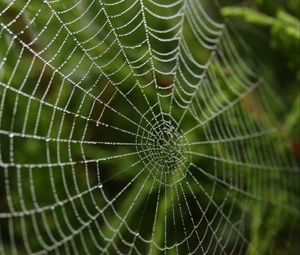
x=162 y=148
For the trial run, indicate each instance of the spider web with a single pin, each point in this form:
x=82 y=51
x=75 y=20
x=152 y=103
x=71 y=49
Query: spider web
x=135 y=127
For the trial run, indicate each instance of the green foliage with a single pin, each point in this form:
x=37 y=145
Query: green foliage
x=284 y=31
x=285 y=37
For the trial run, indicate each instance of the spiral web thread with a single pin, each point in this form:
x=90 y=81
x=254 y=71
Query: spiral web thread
x=133 y=127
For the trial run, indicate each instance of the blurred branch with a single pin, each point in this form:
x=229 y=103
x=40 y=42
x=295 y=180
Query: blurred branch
x=248 y=15
x=284 y=31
